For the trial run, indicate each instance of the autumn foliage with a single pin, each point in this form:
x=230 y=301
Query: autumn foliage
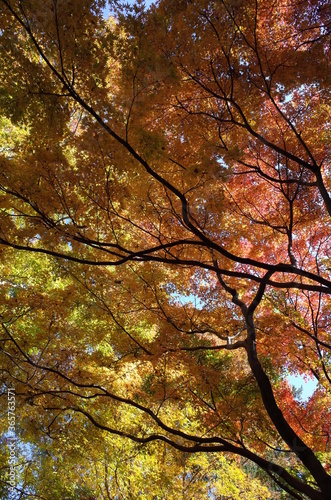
x=165 y=248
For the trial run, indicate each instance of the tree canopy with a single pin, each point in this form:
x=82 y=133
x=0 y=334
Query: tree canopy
x=165 y=248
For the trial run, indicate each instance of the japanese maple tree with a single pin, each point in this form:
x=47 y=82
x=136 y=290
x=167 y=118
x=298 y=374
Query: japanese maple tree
x=165 y=226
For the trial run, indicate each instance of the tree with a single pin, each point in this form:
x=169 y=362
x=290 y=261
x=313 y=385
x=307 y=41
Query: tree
x=165 y=227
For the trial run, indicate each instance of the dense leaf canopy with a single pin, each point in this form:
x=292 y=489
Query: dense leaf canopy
x=165 y=248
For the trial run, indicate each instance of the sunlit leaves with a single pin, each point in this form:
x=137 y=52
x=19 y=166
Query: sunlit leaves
x=164 y=178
